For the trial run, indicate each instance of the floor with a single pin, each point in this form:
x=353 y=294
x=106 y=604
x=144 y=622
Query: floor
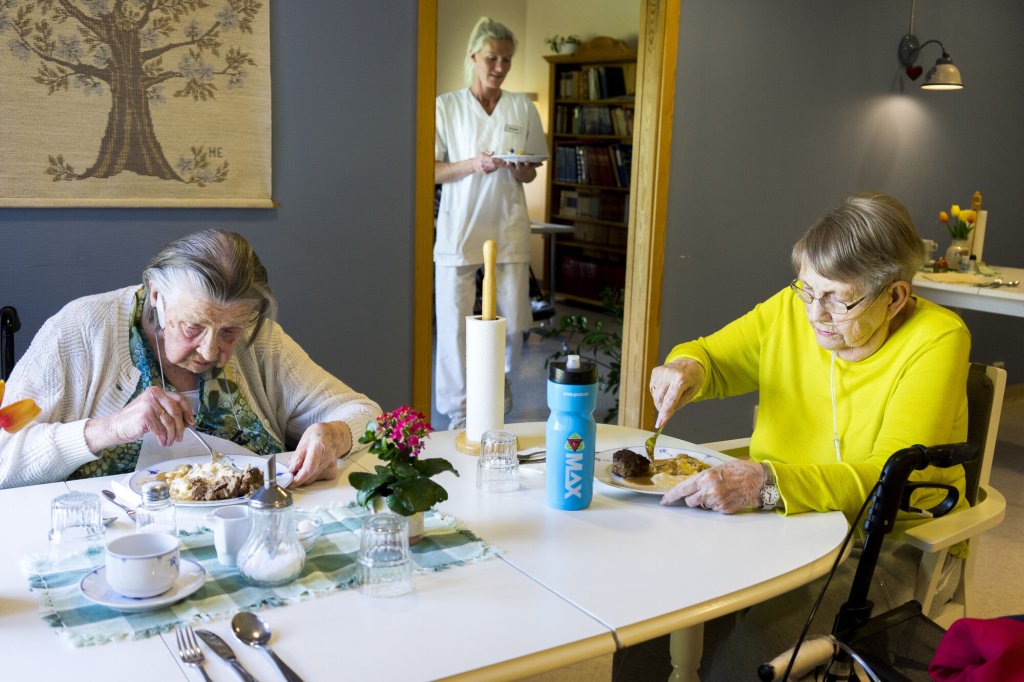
x=999 y=590
x=529 y=383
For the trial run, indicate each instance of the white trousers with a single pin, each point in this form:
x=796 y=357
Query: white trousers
x=454 y=295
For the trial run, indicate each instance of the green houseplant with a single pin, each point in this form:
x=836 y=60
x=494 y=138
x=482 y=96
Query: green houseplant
x=563 y=44
x=597 y=342
x=403 y=481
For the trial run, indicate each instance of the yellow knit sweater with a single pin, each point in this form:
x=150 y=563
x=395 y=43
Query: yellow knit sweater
x=911 y=390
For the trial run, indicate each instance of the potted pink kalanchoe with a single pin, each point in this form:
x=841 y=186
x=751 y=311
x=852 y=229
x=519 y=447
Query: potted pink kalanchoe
x=403 y=481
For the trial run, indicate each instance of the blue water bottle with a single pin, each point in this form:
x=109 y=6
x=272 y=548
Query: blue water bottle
x=571 y=432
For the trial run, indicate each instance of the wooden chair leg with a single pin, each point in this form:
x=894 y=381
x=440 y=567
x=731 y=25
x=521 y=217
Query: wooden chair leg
x=685 y=648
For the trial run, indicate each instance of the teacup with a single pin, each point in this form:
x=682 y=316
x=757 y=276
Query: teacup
x=143 y=564
x=230 y=531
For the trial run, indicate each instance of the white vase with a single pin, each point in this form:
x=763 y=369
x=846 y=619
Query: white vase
x=957 y=253
x=567 y=48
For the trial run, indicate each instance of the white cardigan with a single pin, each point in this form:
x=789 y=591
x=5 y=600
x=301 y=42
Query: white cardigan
x=79 y=366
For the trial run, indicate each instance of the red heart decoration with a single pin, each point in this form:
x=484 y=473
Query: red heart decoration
x=914 y=72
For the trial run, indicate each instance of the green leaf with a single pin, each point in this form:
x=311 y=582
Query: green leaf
x=433 y=466
x=415 y=495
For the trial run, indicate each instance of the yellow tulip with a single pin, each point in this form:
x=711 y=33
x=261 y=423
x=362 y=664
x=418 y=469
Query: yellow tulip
x=968 y=216
x=943 y=217
x=954 y=210
x=16 y=416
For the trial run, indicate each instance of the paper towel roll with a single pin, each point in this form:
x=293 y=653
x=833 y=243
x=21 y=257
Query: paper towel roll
x=485 y=376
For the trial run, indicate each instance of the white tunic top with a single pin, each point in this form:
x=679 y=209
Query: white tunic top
x=484 y=206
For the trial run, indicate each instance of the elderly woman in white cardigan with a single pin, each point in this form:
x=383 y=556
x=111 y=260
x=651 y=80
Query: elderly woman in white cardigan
x=195 y=345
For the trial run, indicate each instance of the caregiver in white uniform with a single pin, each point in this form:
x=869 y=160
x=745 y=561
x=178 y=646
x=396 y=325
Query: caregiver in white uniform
x=481 y=198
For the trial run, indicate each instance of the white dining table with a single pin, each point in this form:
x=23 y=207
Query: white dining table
x=1001 y=300
x=553 y=597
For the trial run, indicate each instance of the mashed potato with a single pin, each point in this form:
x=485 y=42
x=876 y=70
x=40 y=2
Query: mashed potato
x=210 y=481
x=671 y=472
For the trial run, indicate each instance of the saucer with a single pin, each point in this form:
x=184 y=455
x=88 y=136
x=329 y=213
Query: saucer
x=95 y=588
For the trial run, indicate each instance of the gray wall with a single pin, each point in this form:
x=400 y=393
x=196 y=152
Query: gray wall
x=782 y=108
x=339 y=246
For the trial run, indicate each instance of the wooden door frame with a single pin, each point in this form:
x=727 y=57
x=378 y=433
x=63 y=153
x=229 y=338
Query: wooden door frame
x=656 y=76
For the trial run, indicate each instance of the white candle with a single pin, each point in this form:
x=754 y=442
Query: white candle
x=978 y=234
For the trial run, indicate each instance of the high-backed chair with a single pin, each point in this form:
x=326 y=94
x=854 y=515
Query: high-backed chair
x=985 y=388
x=9 y=323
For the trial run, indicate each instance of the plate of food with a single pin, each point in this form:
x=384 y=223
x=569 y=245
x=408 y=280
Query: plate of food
x=201 y=482
x=522 y=158
x=629 y=468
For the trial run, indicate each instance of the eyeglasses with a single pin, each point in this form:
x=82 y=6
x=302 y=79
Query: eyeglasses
x=829 y=305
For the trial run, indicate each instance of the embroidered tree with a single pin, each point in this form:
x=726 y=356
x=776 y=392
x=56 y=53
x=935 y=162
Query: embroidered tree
x=123 y=44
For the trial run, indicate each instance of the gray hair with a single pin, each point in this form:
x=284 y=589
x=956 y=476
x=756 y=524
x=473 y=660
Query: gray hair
x=868 y=240
x=220 y=266
x=485 y=31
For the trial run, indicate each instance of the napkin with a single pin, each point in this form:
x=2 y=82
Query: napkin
x=330 y=566
x=152 y=452
x=955 y=277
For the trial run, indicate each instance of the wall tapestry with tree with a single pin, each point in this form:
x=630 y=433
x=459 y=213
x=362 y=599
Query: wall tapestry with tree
x=135 y=103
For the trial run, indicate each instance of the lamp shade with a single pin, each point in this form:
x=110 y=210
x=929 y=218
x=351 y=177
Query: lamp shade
x=943 y=76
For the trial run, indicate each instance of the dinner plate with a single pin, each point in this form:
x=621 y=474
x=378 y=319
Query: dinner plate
x=143 y=476
x=95 y=588
x=603 y=467
x=522 y=158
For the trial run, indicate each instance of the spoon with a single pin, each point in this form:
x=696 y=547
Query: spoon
x=252 y=630
x=110 y=496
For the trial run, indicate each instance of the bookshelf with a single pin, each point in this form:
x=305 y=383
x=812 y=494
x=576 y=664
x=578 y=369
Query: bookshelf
x=591 y=97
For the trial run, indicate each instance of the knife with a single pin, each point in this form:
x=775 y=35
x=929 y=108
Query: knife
x=221 y=648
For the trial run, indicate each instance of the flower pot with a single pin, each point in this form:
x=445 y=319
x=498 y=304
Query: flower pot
x=568 y=48
x=379 y=505
x=957 y=253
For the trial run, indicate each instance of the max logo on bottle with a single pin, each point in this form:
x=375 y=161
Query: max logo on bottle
x=573 y=466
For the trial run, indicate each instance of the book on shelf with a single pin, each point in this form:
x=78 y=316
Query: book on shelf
x=598 y=82
x=594 y=164
x=583 y=119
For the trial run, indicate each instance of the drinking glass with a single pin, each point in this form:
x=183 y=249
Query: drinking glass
x=385 y=569
x=76 y=522
x=497 y=470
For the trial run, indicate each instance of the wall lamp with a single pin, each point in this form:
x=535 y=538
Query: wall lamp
x=943 y=76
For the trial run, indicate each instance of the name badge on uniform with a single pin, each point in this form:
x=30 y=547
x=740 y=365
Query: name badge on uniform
x=513 y=129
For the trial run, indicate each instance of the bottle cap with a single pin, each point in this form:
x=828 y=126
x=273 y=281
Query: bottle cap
x=563 y=372
x=155 y=491
x=271 y=495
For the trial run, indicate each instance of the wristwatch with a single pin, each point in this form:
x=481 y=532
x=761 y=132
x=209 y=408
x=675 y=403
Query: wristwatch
x=769 y=491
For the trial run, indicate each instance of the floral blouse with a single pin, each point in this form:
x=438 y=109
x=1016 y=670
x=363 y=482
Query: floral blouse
x=223 y=410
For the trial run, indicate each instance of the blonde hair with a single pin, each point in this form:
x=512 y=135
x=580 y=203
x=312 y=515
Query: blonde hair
x=868 y=239
x=485 y=31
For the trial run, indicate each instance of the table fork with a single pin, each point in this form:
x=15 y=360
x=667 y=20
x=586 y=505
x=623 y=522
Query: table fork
x=651 y=442
x=214 y=455
x=188 y=649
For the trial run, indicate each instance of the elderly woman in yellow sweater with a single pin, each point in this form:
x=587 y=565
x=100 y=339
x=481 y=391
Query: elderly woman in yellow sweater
x=850 y=367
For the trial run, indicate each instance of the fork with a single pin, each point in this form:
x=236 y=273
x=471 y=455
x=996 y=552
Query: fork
x=188 y=649
x=650 y=442
x=214 y=455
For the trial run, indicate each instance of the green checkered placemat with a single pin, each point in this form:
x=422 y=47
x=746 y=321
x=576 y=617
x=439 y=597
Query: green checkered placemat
x=330 y=566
